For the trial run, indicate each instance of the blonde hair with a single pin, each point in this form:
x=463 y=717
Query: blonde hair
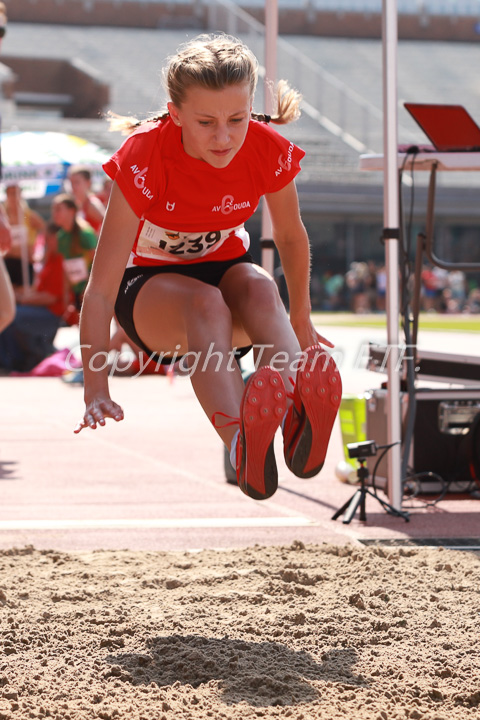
x=214 y=62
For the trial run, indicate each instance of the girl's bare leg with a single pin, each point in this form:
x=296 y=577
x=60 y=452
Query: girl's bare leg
x=256 y=306
x=178 y=313
x=317 y=393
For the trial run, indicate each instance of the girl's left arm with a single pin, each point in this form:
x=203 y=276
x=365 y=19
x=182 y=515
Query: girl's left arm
x=293 y=246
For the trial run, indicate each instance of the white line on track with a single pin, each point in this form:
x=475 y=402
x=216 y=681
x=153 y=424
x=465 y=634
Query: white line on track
x=154 y=523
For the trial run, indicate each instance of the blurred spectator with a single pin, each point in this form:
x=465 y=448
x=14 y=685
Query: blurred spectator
x=76 y=242
x=358 y=281
x=472 y=304
x=381 y=287
x=441 y=276
x=333 y=291
x=371 y=285
x=316 y=290
x=456 y=291
x=90 y=207
x=104 y=194
x=29 y=338
x=430 y=291
x=25 y=225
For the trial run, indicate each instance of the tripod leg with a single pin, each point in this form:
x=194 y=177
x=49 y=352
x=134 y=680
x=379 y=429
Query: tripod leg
x=358 y=498
x=389 y=508
x=349 y=508
x=363 y=514
x=343 y=508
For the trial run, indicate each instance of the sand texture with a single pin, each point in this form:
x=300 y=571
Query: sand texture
x=302 y=632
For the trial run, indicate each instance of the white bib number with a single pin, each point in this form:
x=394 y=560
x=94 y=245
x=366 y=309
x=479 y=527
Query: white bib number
x=76 y=269
x=19 y=236
x=158 y=243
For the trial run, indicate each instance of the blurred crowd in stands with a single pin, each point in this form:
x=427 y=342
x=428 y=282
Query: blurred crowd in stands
x=363 y=290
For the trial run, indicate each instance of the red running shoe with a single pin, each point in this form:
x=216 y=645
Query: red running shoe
x=316 y=398
x=263 y=407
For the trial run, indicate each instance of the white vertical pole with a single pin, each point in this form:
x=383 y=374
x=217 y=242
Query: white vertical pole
x=391 y=218
x=271 y=34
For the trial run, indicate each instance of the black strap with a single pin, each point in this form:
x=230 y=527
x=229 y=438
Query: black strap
x=391 y=234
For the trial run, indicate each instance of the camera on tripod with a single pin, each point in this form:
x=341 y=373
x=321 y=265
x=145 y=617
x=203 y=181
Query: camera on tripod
x=360 y=451
x=365 y=449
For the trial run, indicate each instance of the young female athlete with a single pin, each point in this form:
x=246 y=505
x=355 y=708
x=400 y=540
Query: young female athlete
x=173 y=264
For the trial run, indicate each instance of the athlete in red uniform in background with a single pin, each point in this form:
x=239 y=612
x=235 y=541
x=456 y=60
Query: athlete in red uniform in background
x=173 y=264
x=90 y=207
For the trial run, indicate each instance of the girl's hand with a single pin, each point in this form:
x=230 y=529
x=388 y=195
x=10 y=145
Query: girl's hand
x=323 y=341
x=307 y=336
x=96 y=412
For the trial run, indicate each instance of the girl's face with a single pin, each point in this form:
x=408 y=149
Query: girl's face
x=80 y=184
x=51 y=243
x=214 y=122
x=63 y=216
x=13 y=194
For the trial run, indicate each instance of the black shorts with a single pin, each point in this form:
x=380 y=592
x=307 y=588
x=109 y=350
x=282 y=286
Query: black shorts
x=135 y=278
x=15 y=270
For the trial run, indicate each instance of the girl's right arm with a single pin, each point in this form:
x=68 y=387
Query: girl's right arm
x=115 y=242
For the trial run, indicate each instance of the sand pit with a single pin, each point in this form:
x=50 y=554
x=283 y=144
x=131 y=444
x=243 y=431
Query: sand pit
x=301 y=632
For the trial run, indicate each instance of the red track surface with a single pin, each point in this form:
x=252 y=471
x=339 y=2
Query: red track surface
x=156 y=481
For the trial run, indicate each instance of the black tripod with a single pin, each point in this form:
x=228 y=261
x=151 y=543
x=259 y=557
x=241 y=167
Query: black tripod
x=358 y=498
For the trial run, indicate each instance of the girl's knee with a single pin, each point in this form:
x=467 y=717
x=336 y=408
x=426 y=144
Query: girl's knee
x=262 y=294
x=207 y=305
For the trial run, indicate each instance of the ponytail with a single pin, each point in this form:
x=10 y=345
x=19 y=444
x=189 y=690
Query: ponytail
x=287 y=105
x=126 y=124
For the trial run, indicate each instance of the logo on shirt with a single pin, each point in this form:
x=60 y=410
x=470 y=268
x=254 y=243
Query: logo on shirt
x=228 y=205
x=285 y=163
x=170 y=206
x=139 y=181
